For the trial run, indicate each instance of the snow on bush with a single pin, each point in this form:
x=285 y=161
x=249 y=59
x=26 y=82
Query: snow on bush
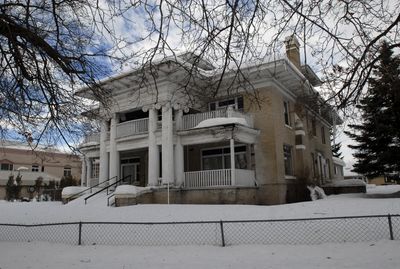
x=130 y=190
x=316 y=193
x=69 y=191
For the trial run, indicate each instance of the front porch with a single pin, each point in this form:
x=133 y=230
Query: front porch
x=202 y=150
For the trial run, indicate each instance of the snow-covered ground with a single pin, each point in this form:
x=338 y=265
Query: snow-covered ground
x=39 y=255
x=382 y=254
x=96 y=210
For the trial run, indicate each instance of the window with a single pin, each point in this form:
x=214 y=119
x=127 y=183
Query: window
x=313 y=127
x=42 y=168
x=286 y=113
x=95 y=169
x=323 y=135
x=67 y=171
x=314 y=165
x=287 y=157
x=6 y=167
x=236 y=102
x=220 y=158
x=35 y=168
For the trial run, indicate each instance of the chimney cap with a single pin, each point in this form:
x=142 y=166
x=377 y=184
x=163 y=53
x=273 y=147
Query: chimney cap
x=292 y=41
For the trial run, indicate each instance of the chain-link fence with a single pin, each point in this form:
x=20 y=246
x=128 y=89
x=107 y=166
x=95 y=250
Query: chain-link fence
x=289 y=231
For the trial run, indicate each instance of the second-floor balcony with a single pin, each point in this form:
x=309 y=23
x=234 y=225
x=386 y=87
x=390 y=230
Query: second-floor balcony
x=133 y=127
x=189 y=121
x=192 y=120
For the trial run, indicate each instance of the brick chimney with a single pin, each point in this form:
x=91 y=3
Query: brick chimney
x=292 y=50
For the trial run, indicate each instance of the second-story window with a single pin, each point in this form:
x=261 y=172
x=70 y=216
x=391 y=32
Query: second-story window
x=6 y=167
x=313 y=127
x=323 y=135
x=35 y=168
x=236 y=102
x=286 y=113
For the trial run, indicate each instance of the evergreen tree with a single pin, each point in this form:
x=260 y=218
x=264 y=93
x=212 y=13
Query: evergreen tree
x=336 y=150
x=336 y=147
x=378 y=135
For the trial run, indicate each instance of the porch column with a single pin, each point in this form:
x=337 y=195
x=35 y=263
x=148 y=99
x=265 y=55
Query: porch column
x=83 y=172
x=154 y=155
x=89 y=172
x=233 y=176
x=167 y=145
x=179 y=159
x=114 y=156
x=103 y=169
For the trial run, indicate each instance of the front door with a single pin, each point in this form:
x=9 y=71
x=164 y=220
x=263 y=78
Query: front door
x=133 y=170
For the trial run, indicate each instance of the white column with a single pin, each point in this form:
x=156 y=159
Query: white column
x=154 y=155
x=167 y=145
x=89 y=172
x=103 y=169
x=83 y=174
x=179 y=159
x=233 y=176
x=114 y=156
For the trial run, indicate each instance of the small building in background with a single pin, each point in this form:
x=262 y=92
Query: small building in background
x=50 y=164
x=338 y=168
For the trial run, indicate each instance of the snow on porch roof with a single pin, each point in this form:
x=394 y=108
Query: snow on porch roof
x=221 y=121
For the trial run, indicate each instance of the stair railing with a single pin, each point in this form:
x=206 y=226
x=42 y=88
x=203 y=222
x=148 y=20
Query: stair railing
x=76 y=195
x=124 y=179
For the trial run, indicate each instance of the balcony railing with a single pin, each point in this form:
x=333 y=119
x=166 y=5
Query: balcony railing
x=133 y=127
x=95 y=137
x=192 y=120
x=219 y=178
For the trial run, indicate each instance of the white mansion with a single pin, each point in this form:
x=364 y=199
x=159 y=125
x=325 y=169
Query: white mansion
x=224 y=149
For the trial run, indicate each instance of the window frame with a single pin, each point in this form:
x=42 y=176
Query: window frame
x=35 y=168
x=10 y=166
x=237 y=100
x=323 y=136
x=67 y=171
x=288 y=160
x=314 y=127
x=225 y=151
x=286 y=113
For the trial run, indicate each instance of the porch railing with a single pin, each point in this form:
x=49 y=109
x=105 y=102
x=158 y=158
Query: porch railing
x=208 y=178
x=218 y=178
x=192 y=120
x=133 y=127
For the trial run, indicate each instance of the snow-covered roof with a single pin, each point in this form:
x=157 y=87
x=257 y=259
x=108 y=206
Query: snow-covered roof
x=221 y=121
x=338 y=161
x=25 y=146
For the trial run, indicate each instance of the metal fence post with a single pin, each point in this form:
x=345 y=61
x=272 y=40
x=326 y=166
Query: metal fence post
x=390 y=227
x=222 y=233
x=80 y=233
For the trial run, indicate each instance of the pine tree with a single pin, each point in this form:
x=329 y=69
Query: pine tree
x=336 y=150
x=378 y=135
x=336 y=147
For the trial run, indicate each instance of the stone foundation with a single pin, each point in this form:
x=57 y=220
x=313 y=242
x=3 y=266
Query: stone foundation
x=199 y=196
